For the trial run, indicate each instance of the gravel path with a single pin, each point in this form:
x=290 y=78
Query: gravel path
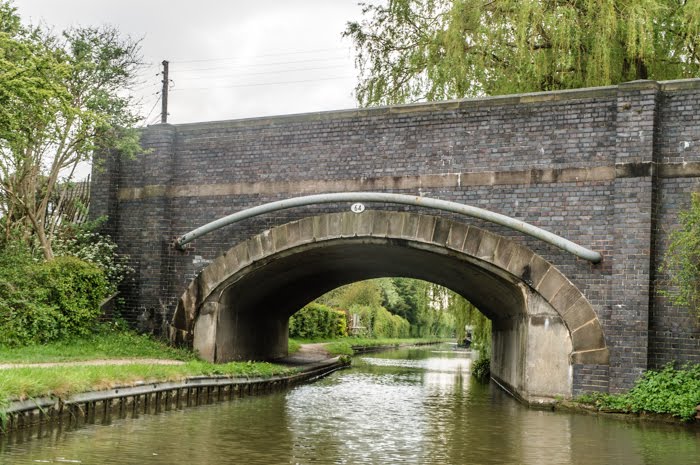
x=308 y=353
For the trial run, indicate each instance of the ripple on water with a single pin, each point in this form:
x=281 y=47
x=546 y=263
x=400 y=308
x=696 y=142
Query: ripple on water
x=407 y=406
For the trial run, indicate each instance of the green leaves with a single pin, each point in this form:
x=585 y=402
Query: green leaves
x=46 y=301
x=412 y=50
x=62 y=98
x=682 y=260
x=318 y=321
x=667 y=391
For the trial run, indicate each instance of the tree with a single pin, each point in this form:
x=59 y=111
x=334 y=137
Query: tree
x=411 y=50
x=61 y=100
x=682 y=259
x=465 y=313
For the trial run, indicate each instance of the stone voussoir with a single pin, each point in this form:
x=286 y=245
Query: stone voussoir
x=551 y=283
x=457 y=236
x=578 y=314
x=591 y=357
x=567 y=296
x=487 y=246
x=519 y=264
x=588 y=337
x=426 y=226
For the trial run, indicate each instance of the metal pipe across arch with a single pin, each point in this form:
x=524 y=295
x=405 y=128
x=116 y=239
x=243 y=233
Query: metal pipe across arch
x=401 y=199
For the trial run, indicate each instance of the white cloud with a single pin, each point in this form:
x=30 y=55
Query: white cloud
x=262 y=42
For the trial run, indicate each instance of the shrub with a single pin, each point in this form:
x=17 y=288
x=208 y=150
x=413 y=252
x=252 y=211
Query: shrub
x=98 y=249
x=379 y=322
x=670 y=391
x=481 y=368
x=45 y=301
x=318 y=321
x=76 y=288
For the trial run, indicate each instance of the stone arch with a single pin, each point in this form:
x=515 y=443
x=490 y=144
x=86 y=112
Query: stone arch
x=507 y=281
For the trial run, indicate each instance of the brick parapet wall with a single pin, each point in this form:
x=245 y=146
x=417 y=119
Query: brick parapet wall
x=582 y=164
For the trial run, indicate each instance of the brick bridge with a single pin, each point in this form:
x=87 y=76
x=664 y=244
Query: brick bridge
x=608 y=168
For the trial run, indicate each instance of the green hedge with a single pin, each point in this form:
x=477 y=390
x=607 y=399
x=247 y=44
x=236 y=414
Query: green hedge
x=379 y=322
x=46 y=301
x=317 y=321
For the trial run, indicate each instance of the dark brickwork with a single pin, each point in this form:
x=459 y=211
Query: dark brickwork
x=608 y=168
x=589 y=378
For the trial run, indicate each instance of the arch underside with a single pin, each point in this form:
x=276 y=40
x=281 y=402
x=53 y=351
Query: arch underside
x=238 y=307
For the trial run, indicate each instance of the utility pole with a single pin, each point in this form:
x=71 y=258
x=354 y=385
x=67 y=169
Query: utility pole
x=164 y=94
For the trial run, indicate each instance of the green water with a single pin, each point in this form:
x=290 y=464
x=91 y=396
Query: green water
x=417 y=406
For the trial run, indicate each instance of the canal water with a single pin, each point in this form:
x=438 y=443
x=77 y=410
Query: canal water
x=416 y=406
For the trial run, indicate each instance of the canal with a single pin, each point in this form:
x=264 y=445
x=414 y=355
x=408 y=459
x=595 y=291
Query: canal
x=415 y=405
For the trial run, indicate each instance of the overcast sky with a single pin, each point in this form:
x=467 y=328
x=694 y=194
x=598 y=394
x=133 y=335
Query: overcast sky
x=228 y=59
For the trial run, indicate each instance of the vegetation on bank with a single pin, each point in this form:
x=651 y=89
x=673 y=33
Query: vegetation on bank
x=62 y=381
x=682 y=259
x=669 y=391
x=110 y=341
x=481 y=368
x=42 y=301
x=350 y=345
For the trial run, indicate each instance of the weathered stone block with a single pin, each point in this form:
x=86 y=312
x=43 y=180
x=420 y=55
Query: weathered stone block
x=364 y=223
x=396 y=222
x=578 y=314
x=473 y=240
x=380 y=223
x=504 y=253
x=321 y=227
x=441 y=231
x=279 y=237
x=551 y=283
x=487 y=246
x=409 y=228
x=567 y=295
x=591 y=357
x=539 y=267
x=426 y=225
x=588 y=337
x=519 y=264
x=457 y=236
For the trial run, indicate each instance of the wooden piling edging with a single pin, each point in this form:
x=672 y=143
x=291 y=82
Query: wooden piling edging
x=146 y=398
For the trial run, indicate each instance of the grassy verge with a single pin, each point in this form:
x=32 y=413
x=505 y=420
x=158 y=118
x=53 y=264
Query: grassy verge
x=62 y=381
x=23 y=383
x=102 y=345
x=293 y=346
x=668 y=391
x=348 y=345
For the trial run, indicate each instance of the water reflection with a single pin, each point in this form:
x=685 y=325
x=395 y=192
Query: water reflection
x=418 y=406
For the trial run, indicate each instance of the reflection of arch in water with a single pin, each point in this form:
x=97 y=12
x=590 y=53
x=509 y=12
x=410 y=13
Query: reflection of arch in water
x=238 y=307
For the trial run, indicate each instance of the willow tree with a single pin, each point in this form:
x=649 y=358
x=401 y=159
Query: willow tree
x=412 y=50
x=681 y=263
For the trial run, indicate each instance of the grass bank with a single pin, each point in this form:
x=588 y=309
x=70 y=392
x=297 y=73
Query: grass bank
x=62 y=381
x=102 y=345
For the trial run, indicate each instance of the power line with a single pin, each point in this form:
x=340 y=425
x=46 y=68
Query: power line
x=154 y=107
x=293 y=70
x=300 y=52
x=146 y=86
x=263 y=64
x=259 y=84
